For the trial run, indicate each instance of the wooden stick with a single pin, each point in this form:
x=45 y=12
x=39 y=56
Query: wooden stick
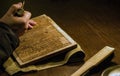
x=20 y=11
x=95 y=60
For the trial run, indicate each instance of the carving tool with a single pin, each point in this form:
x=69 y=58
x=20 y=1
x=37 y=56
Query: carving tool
x=20 y=11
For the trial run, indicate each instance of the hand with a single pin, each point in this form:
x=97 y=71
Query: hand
x=18 y=24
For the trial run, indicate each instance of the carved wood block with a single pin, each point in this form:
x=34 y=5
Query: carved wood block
x=46 y=39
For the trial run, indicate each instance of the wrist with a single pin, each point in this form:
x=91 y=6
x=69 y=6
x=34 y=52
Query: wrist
x=4 y=21
x=7 y=27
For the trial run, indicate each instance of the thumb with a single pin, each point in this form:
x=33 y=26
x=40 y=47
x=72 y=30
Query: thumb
x=14 y=8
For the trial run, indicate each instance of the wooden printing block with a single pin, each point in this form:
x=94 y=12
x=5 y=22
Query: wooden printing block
x=45 y=40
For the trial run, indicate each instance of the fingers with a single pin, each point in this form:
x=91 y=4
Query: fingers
x=24 y=19
x=18 y=23
x=30 y=24
x=26 y=15
x=14 y=8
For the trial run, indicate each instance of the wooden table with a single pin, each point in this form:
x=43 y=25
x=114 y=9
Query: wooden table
x=92 y=23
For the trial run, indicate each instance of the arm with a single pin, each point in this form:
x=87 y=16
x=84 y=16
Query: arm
x=8 y=42
x=11 y=27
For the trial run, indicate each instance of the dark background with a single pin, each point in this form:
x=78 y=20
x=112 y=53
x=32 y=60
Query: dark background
x=92 y=23
x=63 y=8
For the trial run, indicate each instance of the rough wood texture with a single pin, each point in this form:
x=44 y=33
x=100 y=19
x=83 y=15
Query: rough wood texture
x=44 y=39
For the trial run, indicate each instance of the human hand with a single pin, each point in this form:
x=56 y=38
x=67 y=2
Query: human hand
x=18 y=24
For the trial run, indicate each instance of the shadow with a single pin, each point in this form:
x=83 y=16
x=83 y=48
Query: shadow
x=23 y=73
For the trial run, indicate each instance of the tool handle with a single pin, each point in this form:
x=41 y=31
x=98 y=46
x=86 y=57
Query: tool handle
x=20 y=12
x=94 y=60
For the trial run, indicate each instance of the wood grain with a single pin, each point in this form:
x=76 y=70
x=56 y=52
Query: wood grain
x=43 y=41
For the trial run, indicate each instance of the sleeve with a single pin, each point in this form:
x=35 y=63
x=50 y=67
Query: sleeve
x=8 y=42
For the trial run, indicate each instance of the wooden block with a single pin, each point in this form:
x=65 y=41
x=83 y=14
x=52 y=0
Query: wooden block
x=46 y=39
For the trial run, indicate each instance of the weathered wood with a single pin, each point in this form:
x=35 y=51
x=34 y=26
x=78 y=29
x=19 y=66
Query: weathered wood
x=43 y=41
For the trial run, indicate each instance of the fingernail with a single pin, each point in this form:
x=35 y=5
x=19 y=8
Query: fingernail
x=35 y=22
x=20 y=3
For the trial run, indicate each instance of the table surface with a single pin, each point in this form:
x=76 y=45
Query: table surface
x=92 y=24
